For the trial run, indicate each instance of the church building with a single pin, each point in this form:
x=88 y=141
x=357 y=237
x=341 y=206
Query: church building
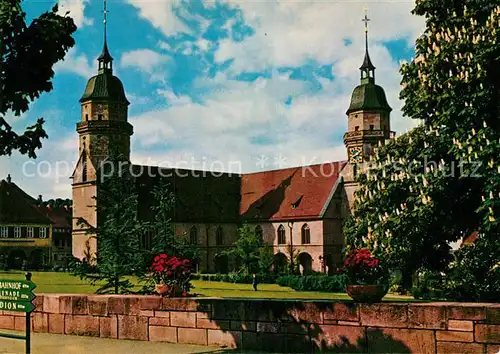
x=299 y=209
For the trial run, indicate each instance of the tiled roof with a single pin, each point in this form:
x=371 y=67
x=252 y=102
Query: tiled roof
x=60 y=217
x=200 y=196
x=293 y=193
x=18 y=207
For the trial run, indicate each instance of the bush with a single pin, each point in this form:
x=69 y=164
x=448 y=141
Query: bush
x=323 y=283
x=236 y=278
x=429 y=285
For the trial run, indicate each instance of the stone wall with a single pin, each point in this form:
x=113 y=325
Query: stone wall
x=269 y=325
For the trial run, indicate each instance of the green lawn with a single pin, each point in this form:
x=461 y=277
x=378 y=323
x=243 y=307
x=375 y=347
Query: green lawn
x=63 y=283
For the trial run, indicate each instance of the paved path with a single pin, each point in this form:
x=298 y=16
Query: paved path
x=43 y=343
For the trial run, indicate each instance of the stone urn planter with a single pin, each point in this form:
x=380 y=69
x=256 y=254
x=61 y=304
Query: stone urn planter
x=167 y=290
x=367 y=293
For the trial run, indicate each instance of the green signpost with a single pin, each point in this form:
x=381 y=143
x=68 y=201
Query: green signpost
x=17 y=296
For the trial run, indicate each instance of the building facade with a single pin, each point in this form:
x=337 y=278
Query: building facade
x=32 y=234
x=299 y=209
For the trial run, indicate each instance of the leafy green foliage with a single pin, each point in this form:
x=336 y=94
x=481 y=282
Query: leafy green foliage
x=251 y=252
x=440 y=181
x=164 y=239
x=236 y=278
x=59 y=203
x=119 y=251
x=323 y=283
x=27 y=56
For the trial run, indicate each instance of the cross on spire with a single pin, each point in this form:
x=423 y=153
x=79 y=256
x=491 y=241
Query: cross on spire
x=105 y=60
x=367 y=68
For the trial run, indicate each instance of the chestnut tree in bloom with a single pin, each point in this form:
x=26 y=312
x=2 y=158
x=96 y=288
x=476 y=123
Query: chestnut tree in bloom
x=441 y=181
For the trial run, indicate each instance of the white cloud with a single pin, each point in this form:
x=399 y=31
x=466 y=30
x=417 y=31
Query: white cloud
x=47 y=175
x=78 y=64
x=160 y=14
x=76 y=10
x=145 y=59
x=288 y=33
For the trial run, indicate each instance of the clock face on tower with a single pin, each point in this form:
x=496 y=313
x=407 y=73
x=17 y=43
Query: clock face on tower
x=356 y=154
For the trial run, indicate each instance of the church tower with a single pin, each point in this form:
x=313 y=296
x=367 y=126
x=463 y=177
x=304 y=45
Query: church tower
x=104 y=133
x=368 y=120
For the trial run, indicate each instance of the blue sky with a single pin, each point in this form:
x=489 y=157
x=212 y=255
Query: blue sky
x=217 y=85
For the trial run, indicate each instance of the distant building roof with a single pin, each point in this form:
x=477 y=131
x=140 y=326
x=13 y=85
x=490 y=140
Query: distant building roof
x=293 y=193
x=18 y=207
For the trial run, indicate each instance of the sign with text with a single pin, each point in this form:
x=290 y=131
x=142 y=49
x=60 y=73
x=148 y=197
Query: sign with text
x=16 y=295
x=16 y=306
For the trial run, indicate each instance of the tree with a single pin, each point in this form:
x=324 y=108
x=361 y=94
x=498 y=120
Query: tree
x=250 y=251
x=441 y=180
x=164 y=238
x=119 y=252
x=27 y=55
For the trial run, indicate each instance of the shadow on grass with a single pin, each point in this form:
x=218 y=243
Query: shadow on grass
x=289 y=326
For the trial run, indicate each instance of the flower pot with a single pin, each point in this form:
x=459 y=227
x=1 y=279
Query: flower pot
x=168 y=290
x=162 y=289
x=367 y=293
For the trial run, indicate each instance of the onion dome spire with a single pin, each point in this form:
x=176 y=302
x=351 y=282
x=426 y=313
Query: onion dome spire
x=105 y=59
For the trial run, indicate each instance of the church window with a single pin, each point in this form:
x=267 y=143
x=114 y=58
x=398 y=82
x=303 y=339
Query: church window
x=356 y=128
x=306 y=234
x=281 y=235
x=84 y=166
x=219 y=236
x=258 y=232
x=371 y=126
x=193 y=235
x=86 y=117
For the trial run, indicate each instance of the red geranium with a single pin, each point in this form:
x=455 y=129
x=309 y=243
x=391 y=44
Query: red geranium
x=362 y=267
x=171 y=271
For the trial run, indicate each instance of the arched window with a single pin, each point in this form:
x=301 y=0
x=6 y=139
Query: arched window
x=193 y=235
x=258 y=232
x=219 y=236
x=281 y=235
x=306 y=234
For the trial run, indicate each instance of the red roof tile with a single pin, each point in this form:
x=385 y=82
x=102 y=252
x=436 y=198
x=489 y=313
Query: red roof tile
x=293 y=193
x=60 y=217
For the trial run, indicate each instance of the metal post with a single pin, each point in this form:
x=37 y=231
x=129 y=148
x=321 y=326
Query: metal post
x=290 y=225
x=28 y=323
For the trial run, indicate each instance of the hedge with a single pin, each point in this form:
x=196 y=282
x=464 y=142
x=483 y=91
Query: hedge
x=323 y=283
x=236 y=278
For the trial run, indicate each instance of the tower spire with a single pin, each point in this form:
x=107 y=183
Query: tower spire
x=367 y=68
x=105 y=60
